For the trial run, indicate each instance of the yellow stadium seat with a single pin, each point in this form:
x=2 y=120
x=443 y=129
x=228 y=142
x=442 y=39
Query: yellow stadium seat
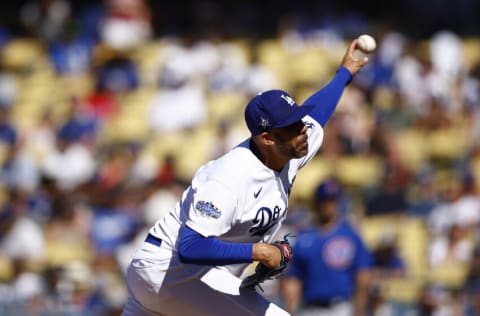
x=402 y=290
x=412 y=147
x=317 y=170
x=359 y=170
x=412 y=241
x=77 y=85
x=59 y=252
x=225 y=105
x=448 y=143
x=149 y=58
x=244 y=45
x=373 y=228
x=164 y=144
x=21 y=53
x=195 y=150
x=471 y=50
x=6 y=269
x=475 y=167
x=448 y=275
x=309 y=66
x=271 y=53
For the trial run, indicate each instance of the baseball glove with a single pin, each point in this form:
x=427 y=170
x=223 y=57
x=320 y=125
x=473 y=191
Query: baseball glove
x=263 y=273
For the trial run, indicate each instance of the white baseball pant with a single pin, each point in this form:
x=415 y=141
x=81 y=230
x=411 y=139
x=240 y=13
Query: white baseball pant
x=152 y=292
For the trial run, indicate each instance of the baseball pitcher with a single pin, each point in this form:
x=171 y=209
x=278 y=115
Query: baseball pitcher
x=227 y=218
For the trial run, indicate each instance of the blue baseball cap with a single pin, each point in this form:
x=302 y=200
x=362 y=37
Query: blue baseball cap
x=273 y=109
x=328 y=190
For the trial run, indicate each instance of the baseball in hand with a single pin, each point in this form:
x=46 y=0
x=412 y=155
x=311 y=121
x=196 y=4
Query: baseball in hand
x=366 y=43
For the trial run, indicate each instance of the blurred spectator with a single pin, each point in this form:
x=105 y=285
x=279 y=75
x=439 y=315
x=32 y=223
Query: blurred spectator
x=115 y=220
x=443 y=215
x=8 y=133
x=227 y=136
x=423 y=197
x=39 y=139
x=472 y=283
x=258 y=77
x=230 y=70
x=178 y=107
x=355 y=123
x=390 y=110
x=117 y=75
x=19 y=170
x=5 y=36
x=79 y=125
x=45 y=19
x=409 y=76
x=71 y=163
x=24 y=294
x=429 y=301
x=189 y=60
x=70 y=54
x=144 y=165
x=435 y=300
x=126 y=25
x=468 y=204
x=160 y=201
x=459 y=206
x=329 y=273
x=390 y=48
x=69 y=223
x=22 y=238
x=387 y=261
x=115 y=167
x=448 y=65
x=9 y=88
x=471 y=87
x=103 y=104
x=380 y=137
x=22 y=243
x=434 y=117
x=453 y=248
x=390 y=198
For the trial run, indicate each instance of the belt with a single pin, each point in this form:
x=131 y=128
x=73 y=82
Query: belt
x=153 y=240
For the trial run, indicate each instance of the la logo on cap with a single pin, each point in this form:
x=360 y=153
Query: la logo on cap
x=288 y=99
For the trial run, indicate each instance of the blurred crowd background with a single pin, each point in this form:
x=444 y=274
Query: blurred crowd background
x=107 y=108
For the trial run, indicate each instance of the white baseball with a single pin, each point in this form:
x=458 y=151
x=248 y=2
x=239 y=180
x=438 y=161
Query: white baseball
x=366 y=43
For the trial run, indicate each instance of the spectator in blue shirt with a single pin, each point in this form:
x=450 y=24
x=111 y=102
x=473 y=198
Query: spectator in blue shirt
x=329 y=273
x=8 y=134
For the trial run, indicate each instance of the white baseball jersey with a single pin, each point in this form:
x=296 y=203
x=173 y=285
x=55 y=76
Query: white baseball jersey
x=235 y=198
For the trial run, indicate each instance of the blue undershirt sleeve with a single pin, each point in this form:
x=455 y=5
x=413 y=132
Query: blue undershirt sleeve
x=196 y=249
x=326 y=99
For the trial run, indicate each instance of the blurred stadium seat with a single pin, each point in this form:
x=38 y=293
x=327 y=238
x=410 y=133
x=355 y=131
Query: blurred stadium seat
x=318 y=169
x=402 y=290
x=412 y=147
x=358 y=170
x=225 y=105
x=23 y=53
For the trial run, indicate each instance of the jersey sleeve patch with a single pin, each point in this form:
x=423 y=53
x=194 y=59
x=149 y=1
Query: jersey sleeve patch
x=208 y=209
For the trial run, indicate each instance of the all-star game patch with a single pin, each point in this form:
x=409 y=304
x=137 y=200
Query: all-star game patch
x=208 y=209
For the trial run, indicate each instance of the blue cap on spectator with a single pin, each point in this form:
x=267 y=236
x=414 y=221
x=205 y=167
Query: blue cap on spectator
x=328 y=190
x=273 y=109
